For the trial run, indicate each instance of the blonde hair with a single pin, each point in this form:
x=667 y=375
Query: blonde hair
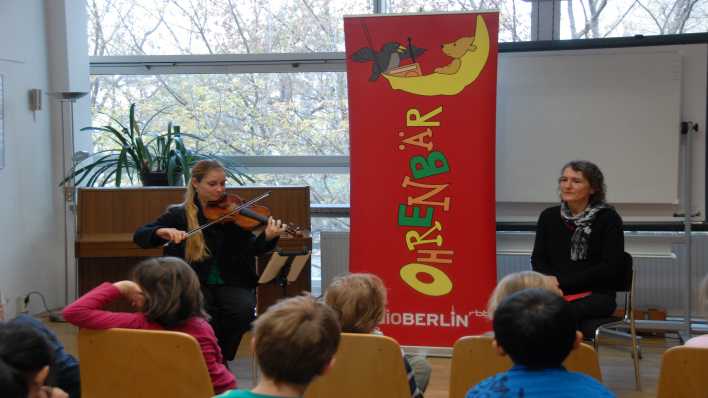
x=513 y=283
x=196 y=249
x=359 y=300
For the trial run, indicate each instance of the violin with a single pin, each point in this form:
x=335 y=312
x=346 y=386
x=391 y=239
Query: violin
x=231 y=208
x=249 y=216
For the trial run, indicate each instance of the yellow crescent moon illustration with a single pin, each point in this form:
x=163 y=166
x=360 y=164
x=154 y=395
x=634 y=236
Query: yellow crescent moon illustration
x=471 y=65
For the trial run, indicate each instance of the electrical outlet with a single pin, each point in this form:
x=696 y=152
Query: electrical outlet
x=20 y=306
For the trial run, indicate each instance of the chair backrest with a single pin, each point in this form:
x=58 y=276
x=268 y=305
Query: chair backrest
x=365 y=365
x=624 y=277
x=142 y=363
x=584 y=360
x=683 y=373
x=474 y=359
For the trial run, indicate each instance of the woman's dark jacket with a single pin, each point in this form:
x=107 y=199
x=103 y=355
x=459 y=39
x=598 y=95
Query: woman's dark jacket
x=231 y=247
x=599 y=272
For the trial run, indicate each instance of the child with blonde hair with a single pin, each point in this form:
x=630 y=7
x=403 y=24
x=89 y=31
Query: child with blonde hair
x=518 y=281
x=360 y=302
x=166 y=293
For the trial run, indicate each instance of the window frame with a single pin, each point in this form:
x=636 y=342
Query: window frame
x=545 y=27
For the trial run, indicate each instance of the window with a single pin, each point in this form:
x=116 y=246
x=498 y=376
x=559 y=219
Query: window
x=514 y=15
x=236 y=114
x=281 y=127
x=589 y=19
x=168 y=27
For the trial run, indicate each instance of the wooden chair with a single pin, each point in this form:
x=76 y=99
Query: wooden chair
x=474 y=359
x=683 y=373
x=142 y=364
x=624 y=327
x=365 y=365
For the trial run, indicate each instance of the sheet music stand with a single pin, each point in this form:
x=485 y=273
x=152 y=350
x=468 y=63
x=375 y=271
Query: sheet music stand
x=284 y=267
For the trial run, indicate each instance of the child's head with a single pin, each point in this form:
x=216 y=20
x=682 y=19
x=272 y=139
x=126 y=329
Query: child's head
x=25 y=358
x=359 y=300
x=515 y=282
x=295 y=340
x=171 y=290
x=536 y=328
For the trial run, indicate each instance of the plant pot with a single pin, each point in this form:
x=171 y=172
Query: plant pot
x=154 y=179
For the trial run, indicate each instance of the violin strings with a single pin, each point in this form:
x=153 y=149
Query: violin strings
x=235 y=210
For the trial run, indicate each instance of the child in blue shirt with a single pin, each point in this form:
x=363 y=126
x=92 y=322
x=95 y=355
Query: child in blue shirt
x=536 y=328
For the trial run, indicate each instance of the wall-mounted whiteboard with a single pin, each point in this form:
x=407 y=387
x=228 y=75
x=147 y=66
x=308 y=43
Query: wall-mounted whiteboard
x=620 y=108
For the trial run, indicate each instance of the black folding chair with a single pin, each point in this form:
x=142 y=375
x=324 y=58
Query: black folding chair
x=623 y=327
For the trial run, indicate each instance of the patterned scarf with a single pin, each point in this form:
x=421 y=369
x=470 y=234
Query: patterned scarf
x=580 y=240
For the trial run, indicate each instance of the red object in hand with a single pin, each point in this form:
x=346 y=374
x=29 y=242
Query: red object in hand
x=577 y=296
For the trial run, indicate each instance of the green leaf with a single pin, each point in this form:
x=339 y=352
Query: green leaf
x=137 y=150
x=122 y=162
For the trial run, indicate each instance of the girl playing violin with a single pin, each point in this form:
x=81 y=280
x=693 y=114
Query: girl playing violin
x=223 y=255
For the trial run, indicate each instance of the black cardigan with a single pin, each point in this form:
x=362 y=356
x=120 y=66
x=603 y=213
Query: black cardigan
x=551 y=252
x=231 y=247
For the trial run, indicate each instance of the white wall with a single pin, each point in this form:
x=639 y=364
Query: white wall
x=31 y=204
x=632 y=134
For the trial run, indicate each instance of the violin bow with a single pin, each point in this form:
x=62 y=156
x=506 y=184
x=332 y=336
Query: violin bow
x=225 y=216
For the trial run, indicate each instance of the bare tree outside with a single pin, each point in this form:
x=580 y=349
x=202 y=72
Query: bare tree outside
x=251 y=114
x=590 y=19
x=514 y=15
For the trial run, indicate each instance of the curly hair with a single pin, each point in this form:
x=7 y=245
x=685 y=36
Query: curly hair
x=514 y=282
x=359 y=300
x=594 y=176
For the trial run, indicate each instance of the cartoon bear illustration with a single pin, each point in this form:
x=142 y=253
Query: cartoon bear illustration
x=456 y=50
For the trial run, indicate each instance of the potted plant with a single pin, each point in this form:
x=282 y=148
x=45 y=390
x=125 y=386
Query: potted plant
x=154 y=159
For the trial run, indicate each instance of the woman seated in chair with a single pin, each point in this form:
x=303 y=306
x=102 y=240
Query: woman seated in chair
x=580 y=244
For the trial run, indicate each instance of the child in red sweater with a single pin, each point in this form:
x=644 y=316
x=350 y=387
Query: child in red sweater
x=166 y=292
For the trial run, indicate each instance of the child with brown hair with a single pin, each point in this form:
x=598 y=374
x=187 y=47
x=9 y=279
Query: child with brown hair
x=166 y=293
x=360 y=302
x=26 y=362
x=294 y=342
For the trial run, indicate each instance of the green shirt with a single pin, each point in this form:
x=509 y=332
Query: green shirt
x=243 y=394
x=214 y=277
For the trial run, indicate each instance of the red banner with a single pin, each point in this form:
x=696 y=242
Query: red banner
x=422 y=103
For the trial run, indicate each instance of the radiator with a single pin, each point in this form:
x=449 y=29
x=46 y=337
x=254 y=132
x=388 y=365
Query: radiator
x=335 y=255
x=660 y=281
